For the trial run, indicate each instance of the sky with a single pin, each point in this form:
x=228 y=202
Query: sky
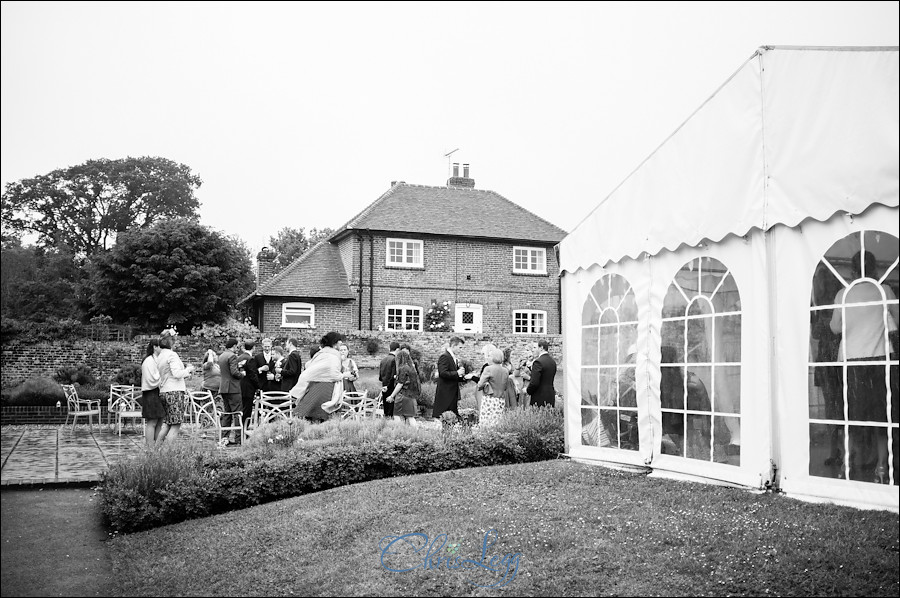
x=302 y=114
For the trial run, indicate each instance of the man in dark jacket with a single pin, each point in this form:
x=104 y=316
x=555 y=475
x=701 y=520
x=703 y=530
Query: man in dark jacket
x=230 y=384
x=450 y=374
x=387 y=374
x=543 y=371
x=293 y=365
x=250 y=381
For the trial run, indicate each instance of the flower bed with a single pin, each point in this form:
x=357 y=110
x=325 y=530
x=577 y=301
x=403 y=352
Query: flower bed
x=167 y=486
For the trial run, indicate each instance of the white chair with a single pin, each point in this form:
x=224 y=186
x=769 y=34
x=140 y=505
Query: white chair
x=81 y=407
x=209 y=415
x=124 y=405
x=196 y=400
x=352 y=403
x=271 y=406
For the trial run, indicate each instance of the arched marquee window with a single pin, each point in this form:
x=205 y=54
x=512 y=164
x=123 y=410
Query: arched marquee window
x=700 y=378
x=608 y=335
x=853 y=373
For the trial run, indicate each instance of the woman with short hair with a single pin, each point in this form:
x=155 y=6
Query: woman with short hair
x=492 y=384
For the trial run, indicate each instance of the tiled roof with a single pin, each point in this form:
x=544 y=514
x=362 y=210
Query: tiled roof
x=455 y=211
x=319 y=272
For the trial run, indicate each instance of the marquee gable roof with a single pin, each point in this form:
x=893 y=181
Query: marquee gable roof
x=795 y=133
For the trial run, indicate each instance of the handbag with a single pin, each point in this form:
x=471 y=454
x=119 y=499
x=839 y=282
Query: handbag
x=488 y=390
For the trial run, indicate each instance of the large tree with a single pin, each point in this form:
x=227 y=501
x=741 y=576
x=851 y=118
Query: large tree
x=38 y=284
x=85 y=207
x=176 y=272
x=290 y=243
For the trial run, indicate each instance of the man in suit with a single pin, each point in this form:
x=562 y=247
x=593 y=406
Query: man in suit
x=265 y=367
x=230 y=385
x=293 y=365
x=450 y=373
x=387 y=374
x=543 y=371
x=250 y=381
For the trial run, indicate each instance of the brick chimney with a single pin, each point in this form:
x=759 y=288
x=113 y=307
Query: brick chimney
x=461 y=181
x=265 y=266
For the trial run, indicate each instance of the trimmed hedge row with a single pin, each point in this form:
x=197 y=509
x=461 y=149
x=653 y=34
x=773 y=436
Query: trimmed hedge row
x=175 y=485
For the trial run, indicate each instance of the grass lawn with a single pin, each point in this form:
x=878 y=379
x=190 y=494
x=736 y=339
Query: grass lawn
x=563 y=528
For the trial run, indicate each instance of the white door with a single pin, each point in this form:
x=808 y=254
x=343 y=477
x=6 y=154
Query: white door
x=468 y=318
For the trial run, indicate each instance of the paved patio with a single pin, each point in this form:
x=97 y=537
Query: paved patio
x=51 y=454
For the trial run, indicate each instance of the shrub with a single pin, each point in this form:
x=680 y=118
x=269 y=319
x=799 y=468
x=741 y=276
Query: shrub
x=539 y=431
x=277 y=434
x=98 y=391
x=171 y=485
x=129 y=373
x=426 y=397
x=372 y=345
x=39 y=391
x=230 y=328
x=72 y=374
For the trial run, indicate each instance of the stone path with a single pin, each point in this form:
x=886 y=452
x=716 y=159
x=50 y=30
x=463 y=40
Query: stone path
x=48 y=454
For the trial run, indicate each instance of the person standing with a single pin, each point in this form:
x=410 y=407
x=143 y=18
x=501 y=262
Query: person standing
x=264 y=362
x=172 y=390
x=348 y=368
x=293 y=365
x=543 y=371
x=407 y=389
x=387 y=375
x=492 y=384
x=317 y=384
x=212 y=374
x=250 y=381
x=152 y=409
x=230 y=388
x=450 y=374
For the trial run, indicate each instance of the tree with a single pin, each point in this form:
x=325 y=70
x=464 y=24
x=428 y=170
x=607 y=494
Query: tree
x=176 y=272
x=37 y=284
x=85 y=207
x=290 y=243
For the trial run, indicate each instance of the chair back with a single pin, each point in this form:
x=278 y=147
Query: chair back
x=122 y=397
x=357 y=403
x=272 y=406
x=196 y=401
x=71 y=396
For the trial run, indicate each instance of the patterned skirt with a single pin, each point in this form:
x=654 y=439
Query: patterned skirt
x=491 y=410
x=175 y=403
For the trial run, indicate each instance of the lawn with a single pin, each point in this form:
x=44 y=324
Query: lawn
x=561 y=528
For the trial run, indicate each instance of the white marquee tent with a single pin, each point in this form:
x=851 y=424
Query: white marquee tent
x=730 y=309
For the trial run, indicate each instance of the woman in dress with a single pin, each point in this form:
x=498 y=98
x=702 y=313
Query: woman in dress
x=406 y=390
x=152 y=409
x=349 y=369
x=492 y=384
x=316 y=384
x=212 y=375
x=172 y=389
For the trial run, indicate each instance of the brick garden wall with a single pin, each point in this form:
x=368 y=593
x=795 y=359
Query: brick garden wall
x=21 y=360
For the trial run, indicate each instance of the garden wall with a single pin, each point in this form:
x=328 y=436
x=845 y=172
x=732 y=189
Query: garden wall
x=21 y=360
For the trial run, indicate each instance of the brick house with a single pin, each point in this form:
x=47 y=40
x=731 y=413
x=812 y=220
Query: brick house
x=492 y=260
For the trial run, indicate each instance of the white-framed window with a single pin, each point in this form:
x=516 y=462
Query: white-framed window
x=468 y=318
x=403 y=317
x=853 y=383
x=609 y=322
x=404 y=253
x=529 y=260
x=298 y=315
x=700 y=364
x=529 y=321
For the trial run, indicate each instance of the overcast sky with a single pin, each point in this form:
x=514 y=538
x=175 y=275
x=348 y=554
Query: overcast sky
x=302 y=114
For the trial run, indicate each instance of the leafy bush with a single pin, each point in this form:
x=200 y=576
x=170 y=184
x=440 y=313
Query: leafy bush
x=539 y=431
x=372 y=345
x=98 y=391
x=426 y=397
x=53 y=330
x=130 y=373
x=171 y=485
x=230 y=328
x=39 y=391
x=75 y=374
x=280 y=433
